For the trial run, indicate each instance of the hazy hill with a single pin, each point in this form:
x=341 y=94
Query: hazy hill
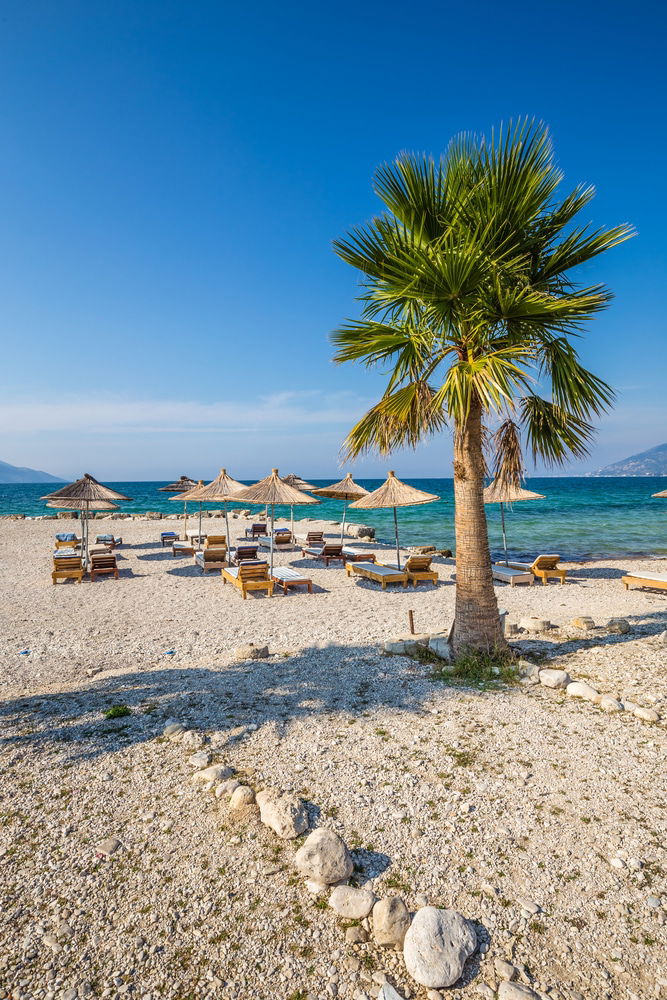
x=647 y=463
x=16 y=474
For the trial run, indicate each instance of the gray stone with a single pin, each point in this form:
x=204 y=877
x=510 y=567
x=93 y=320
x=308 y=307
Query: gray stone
x=646 y=714
x=609 y=704
x=528 y=904
x=284 y=813
x=108 y=846
x=584 y=622
x=173 y=729
x=484 y=990
x=250 y=651
x=505 y=970
x=441 y=648
x=555 y=678
x=619 y=626
x=324 y=857
x=356 y=935
x=535 y=624
x=354 y=904
x=391 y=920
x=579 y=689
x=437 y=945
x=516 y=991
x=217 y=772
x=387 y=992
x=202 y=758
x=227 y=788
x=433 y=995
x=242 y=797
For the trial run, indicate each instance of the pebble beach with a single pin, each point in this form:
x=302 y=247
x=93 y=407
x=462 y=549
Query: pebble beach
x=129 y=868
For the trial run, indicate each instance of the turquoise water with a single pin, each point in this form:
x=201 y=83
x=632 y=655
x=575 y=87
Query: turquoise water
x=579 y=518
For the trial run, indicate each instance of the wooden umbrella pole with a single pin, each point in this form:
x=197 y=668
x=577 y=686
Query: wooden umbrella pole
x=185 y=520
x=200 y=510
x=398 y=548
x=229 y=540
x=502 y=518
x=273 y=517
x=342 y=528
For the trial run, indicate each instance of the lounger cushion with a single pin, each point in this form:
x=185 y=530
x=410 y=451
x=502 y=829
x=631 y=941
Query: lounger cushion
x=508 y=573
x=289 y=575
x=377 y=569
x=66 y=536
x=657 y=577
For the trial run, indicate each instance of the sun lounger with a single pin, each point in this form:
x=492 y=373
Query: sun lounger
x=326 y=552
x=109 y=540
x=103 y=564
x=168 y=537
x=67 y=566
x=211 y=558
x=281 y=541
x=182 y=549
x=418 y=568
x=195 y=537
x=352 y=554
x=67 y=540
x=311 y=538
x=249 y=576
x=286 y=576
x=255 y=530
x=243 y=553
x=505 y=574
x=543 y=567
x=215 y=542
x=377 y=572
x=657 y=581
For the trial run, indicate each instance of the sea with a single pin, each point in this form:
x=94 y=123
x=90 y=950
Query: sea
x=580 y=518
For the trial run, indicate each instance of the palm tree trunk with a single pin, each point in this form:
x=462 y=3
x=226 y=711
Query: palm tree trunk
x=476 y=621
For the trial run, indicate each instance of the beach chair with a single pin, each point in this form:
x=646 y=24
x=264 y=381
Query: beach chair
x=328 y=552
x=243 y=553
x=182 y=549
x=67 y=565
x=418 y=569
x=67 y=540
x=103 y=564
x=168 y=537
x=287 y=576
x=211 y=558
x=543 y=567
x=215 y=542
x=249 y=576
x=352 y=554
x=281 y=540
x=255 y=530
x=656 y=581
x=195 y=537
x=377 y=573
x=110 y=540
x=505 y=574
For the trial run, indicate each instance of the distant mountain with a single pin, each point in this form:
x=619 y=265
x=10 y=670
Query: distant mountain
x=16 y=474
x=647 y=463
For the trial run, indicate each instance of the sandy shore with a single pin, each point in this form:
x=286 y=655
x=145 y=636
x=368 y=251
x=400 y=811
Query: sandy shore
x=473 y=799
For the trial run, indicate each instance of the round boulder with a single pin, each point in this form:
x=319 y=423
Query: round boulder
x=437 y=946
x=324 y=857
x=391 y=920
x=284 y=813
x=353 y=904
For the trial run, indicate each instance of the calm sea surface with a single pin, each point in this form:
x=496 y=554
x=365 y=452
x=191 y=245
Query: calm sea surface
x=579 y=518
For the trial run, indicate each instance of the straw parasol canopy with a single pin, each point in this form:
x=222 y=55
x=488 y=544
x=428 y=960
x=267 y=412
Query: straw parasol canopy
x=394 y=493
x=182 y=485
x=222 y=488
x=346 y=490
x=273 y=490
x=507 y=494
x=662 y=495
x=293 y=480
x=84 y=495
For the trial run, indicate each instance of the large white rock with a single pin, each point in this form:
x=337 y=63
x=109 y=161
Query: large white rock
x=324 y=857
x=437 y=945
x=440 y=647
x=216 y=772
x=391 y=920
x=242 y=797
x=285 y=814
x=609 y=704
x=552 y=678
x=354 y=904
x=647 y=714
x=579 y=689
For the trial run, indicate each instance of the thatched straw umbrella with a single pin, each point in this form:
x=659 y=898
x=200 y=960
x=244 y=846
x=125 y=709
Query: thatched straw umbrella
x=394 y=493
x=497 y=493
x=222 y=488
x=300 y=484
x=182 y=485
x=84 y=495
x=346 y=490
x=662 y=495
x=271 y=491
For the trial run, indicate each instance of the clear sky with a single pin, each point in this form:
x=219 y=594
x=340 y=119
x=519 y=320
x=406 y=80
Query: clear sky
x=172 y=176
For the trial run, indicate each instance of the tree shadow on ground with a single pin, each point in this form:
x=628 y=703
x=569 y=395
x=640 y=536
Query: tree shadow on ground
x=232 y=701
x=641 y=629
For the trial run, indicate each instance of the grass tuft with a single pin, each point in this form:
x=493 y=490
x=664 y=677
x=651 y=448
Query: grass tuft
x=117 y=712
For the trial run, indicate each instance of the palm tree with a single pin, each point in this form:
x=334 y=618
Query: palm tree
x=470 y=302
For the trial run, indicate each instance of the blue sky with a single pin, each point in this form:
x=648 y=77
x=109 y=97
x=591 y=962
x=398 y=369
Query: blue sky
x=172 y=178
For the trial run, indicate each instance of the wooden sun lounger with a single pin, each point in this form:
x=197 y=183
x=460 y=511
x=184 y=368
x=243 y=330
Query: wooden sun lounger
x=351 y=554
x=168 y=537
x=255 y=530
x=182 y=549
x=505 y=574
x=249 y=576
x=280 y=541
x=377 y=572
x=326 y=552
x=543 y=567
x=243 y=553
x=211 y=558
x=72 y=542
x=109 y=540
x=215 y=542
x=418 y=569
x=286 y=576
x=103 y=565
x=311 y=538
x=657 y=581
x=68 y=567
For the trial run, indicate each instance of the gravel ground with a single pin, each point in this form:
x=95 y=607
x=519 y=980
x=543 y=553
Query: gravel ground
x=492 y=802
